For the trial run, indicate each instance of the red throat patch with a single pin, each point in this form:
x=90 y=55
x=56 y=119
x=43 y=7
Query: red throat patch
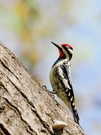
x=62 y=55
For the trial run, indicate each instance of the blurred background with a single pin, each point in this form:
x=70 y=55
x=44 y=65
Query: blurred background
x=27 y=28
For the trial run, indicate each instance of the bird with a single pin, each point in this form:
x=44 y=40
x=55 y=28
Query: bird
x=60 y=78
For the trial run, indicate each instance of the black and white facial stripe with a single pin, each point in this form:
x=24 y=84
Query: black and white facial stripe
x=68 y=51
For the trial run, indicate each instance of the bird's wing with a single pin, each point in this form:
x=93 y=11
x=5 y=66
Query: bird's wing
x=65 y=78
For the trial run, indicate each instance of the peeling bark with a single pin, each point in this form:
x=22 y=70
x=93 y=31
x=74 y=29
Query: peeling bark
x=25 y=107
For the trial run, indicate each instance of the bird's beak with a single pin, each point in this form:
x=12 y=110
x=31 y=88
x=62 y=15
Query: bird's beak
x=56 y=45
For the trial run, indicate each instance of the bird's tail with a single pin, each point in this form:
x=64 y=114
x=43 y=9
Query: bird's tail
x=75 y=113
x=76 y=117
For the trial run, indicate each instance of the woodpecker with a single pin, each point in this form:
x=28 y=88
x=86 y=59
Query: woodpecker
x=60 y=78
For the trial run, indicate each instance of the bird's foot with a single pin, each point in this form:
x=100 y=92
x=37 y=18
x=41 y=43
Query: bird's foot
x=44 y=87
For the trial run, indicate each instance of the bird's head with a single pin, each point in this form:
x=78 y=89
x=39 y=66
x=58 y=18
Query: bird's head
x=65 y=50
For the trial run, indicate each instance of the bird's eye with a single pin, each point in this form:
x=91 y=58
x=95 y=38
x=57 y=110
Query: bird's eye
x=70 y=48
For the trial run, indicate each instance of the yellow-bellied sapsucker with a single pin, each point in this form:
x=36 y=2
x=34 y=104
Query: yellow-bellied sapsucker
x=60 y=78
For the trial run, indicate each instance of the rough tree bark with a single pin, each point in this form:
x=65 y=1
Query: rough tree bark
x=26 y=108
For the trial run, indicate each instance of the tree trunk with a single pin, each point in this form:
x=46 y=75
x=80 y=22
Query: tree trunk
x=25 y=107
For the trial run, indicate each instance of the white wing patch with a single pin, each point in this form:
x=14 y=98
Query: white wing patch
x=60 y=72
x=65 y=81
